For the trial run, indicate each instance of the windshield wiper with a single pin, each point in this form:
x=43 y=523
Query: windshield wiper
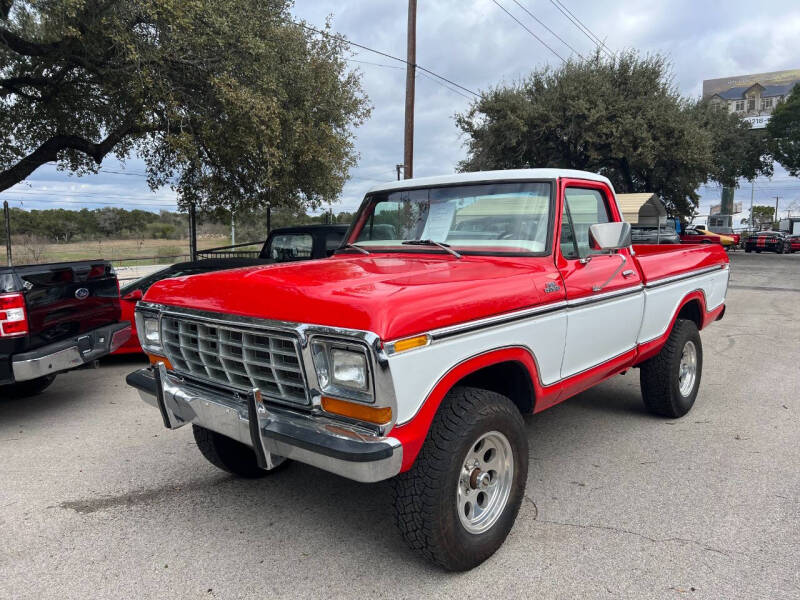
x=443 y=246
x=356 y=247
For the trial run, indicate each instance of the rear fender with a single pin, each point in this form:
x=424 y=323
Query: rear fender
x=653 y=347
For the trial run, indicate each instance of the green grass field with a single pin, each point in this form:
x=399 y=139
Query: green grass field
x=161 y=251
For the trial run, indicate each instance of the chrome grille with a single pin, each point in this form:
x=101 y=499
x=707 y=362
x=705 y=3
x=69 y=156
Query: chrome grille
x=244 y=358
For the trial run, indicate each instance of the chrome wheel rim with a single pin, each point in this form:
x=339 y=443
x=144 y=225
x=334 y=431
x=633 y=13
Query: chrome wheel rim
x=484 y=483
x=687 y=371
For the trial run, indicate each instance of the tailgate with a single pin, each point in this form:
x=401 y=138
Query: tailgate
x=66 y=299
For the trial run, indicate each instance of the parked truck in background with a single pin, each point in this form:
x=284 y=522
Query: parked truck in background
x=53 y=318
x=456 y=305
x=301 y=242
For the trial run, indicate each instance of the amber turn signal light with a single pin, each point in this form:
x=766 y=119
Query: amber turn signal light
x=410 y=343
x=360 y=412
x=155 y=359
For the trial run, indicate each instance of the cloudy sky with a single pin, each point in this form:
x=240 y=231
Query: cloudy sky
x=475 y=44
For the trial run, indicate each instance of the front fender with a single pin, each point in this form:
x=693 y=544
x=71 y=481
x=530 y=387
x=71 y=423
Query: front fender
x=412 y=434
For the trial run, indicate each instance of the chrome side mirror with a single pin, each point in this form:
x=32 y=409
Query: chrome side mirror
x=607 y=237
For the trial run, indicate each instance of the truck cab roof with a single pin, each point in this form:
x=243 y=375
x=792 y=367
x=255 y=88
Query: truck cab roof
x=487 y=176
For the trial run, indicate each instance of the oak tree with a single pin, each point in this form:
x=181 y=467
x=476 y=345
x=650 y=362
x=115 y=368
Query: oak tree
x=622 y=117
x=784 y=132
x=230 y=101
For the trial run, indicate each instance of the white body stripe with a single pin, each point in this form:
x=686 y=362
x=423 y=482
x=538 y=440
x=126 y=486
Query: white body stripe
x=416 y=372
x=591 y=334
x=661 y=302
x=599 y=332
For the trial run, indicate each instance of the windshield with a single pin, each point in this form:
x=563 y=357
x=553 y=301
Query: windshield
x=496 y=218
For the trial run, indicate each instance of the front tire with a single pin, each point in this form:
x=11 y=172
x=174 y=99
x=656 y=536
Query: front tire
x=26 y=389
x=229 y=455
x=671 y=379
x=458 y=502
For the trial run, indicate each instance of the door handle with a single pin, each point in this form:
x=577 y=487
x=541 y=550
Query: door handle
x=627 y=272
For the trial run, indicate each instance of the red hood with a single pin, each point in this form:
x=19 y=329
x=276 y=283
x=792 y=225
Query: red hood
x=391 y=295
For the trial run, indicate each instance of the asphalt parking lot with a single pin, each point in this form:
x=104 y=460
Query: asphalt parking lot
x=97 y=500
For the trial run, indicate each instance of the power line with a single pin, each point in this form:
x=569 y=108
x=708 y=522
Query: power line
x=374 y=64
x=447 y=87
x=381 y=53
x=78 y=203
x=78 y=194
x=548 y=29
x=581 y=27
x=521 y=24
x=44 y=197
x=128 y=173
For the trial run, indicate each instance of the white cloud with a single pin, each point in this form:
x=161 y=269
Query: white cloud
x=474 y=43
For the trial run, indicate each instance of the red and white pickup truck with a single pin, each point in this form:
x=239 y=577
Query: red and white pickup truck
x=456 y=305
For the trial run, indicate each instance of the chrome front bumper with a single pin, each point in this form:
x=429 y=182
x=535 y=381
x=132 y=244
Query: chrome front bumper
x=307 y=438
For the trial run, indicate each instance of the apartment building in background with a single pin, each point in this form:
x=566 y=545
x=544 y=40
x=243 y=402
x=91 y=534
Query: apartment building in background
x=754 y=97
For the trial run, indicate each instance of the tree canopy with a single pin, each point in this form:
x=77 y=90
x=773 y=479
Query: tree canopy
x=784 y=132
x=621 y=117
x=230 y=102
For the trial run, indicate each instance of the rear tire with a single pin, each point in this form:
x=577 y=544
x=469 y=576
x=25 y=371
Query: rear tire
x=458 y=502
x=671 y=379
x=229 y=455
x=26 y=389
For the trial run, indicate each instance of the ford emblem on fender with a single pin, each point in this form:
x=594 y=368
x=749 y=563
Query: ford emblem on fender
x=81 y=293
x=551 y=286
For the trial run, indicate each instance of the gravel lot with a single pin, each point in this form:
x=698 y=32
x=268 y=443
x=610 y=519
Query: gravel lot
x=97 y=500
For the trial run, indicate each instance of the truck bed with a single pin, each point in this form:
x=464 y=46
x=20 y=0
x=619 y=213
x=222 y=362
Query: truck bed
x=669 y=260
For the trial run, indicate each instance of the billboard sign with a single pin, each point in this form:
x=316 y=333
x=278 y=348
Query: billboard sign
x=752 y=97
x=718 y=86
x=758 y=122
x=716 y=209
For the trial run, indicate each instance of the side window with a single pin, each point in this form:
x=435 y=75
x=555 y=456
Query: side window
x=584 y=208
x=568 y=248
x=333 y=240
x=291 y=247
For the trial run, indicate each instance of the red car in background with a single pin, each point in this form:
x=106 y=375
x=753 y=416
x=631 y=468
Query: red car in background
x=698 y=235
x=737 y=238
x=794 y=242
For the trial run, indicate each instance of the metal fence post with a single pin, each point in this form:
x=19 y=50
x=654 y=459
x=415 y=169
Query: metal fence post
x=7 y=217
x=192 y=232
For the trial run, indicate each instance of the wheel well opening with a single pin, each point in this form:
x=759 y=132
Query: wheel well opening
x=511 y=379
x=692 y=312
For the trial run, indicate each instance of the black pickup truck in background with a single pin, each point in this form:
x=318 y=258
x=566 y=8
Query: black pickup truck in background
x=54 y=318
x=301 y=242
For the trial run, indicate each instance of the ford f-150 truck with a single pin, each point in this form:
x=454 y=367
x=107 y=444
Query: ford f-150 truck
x=53 y=318
x=456 y=305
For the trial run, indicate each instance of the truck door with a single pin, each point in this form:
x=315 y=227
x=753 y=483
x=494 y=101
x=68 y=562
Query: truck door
x=605 y=301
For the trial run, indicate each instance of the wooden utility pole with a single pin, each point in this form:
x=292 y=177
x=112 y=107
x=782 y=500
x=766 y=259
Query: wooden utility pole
x=776 y=209
x=411 y=67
